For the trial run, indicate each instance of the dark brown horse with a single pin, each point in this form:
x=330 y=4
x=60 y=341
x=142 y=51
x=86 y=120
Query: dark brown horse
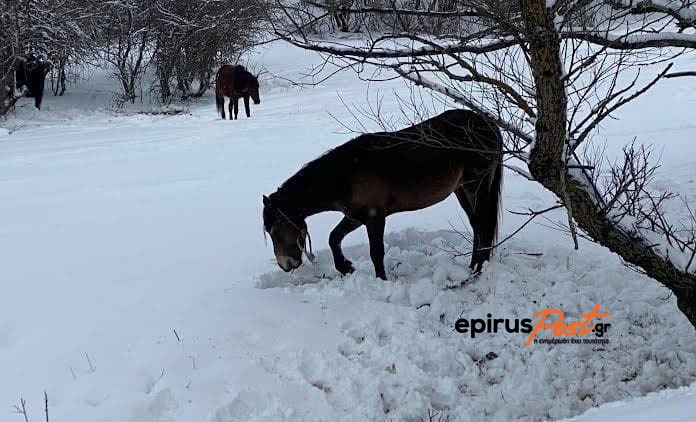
x=376 y=175
x=31 y=74
x=235 y=82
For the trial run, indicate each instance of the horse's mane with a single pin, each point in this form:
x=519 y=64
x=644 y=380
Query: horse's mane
x=241 y=74
x=237 y=67
x=320 y=167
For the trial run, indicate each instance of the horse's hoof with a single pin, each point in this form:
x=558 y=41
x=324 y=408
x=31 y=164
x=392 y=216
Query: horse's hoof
x=346 y=267
x=476 y=267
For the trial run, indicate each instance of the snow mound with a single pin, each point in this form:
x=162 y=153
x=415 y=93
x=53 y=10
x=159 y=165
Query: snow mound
x=676 y=405
x=401 y=357
x=251 y=406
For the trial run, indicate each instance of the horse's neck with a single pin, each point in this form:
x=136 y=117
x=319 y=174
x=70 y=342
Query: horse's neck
x=305 y=195
x=307 y=203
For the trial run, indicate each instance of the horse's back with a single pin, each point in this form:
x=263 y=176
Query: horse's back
x=224 y=80
x=224 y=72
x=454 y=133
x=229 y=78
x=456 y=129
x=449 y=140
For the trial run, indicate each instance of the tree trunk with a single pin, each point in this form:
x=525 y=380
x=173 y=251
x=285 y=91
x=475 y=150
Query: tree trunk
x=547 y=164
x=58 y=76
x=7 y=87
x=165 y=76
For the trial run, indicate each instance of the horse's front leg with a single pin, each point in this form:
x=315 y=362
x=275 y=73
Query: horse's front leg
x=236 y=107
x=246 y=105
x=375 y=233
x=346 y=226
x=230 y=108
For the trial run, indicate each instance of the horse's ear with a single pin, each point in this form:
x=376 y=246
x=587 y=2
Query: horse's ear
x=266 y=201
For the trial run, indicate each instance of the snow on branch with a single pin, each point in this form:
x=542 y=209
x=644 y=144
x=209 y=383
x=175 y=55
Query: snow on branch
x=634 y=41
x=683 y=12
x=373 y=51
x=457 y=97
x=399 y=11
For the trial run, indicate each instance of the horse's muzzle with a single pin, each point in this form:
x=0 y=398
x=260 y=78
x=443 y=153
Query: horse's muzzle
x=287 y=263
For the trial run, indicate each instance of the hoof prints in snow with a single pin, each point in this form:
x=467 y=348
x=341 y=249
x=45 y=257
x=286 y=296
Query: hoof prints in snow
x=401 y=357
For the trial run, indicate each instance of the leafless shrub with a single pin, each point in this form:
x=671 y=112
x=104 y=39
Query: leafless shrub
x=193 y=38
x=65 y=32
x=21 y=408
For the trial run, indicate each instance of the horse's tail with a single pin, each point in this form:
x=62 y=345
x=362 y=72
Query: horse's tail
x=496 y=188
x=220 y=102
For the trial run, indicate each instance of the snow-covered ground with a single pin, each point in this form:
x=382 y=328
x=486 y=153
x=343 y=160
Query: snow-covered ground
x=135 y=284
x=674 y=405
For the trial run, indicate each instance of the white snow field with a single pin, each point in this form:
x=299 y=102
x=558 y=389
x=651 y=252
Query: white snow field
x=135 y=284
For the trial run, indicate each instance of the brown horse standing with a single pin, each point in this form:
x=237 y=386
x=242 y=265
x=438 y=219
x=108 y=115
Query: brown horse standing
x=235 y=82
x=376 y=175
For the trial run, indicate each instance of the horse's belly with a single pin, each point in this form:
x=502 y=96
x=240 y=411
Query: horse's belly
x=418 y=196
x=406 y=192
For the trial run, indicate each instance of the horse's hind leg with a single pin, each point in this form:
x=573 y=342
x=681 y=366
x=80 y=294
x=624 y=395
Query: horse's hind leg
x=464 y=201
x=236 y=108
x=346 y=226
x=375 y=233
x=230 y=108
x=481 y=207
x=246 y=106
x=487 y=215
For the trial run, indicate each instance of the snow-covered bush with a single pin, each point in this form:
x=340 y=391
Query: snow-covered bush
x=64 y=32
x=193 y=37
x=184 y=40
x=431 y=16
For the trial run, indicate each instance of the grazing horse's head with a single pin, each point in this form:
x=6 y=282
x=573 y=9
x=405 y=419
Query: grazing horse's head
x=288 y=235
x=247 y=84
x=253 y=90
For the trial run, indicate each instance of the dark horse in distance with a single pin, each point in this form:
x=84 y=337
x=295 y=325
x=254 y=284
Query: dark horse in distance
x=31 y=73
x=235 y=82
x=379 y=174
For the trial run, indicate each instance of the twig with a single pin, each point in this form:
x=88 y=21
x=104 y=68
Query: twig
x=22 y=409
x=532 y=215
x=46 y=405
x=92 y=369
